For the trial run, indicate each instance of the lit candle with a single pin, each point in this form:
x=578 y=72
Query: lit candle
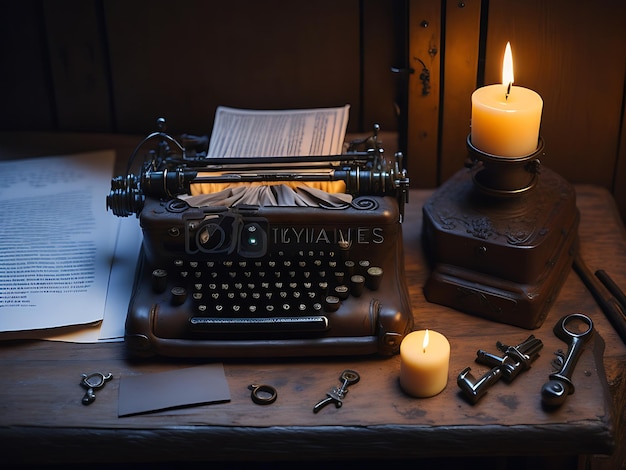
x=506 y=118
x=424 y=362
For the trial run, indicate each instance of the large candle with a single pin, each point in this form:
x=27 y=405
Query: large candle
x=506 y=118
x=424 y=362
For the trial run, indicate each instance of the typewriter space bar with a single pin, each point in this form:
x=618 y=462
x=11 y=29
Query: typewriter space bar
x=309 y=324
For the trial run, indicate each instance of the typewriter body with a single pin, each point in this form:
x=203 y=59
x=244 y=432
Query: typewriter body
x=291 y=271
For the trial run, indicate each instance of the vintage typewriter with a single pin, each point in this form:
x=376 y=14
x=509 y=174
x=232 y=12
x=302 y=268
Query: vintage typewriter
x=244 y=258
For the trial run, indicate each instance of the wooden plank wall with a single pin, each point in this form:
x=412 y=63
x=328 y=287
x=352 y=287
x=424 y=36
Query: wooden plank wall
x=573 y=53
x=115 y=66
x=424 y=89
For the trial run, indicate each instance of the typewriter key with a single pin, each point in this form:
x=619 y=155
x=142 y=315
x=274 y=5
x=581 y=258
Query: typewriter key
x=331 y=303
x=356 y=285
x=349 y=265
x=374 y=277
x=342 y=292
x=364 y=266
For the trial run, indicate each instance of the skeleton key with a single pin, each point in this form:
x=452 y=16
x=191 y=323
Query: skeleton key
x=92 y=382
x=337 y=394
x=555 y=391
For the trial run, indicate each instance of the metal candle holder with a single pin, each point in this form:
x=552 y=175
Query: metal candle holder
x=500 y=238
x=505 y=176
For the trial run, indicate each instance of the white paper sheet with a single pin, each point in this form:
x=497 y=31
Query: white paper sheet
x=57 y=242
x=127 y=248
x=278 y=133
x=124 y=265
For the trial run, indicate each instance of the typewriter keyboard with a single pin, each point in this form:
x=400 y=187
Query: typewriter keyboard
x=305 y=285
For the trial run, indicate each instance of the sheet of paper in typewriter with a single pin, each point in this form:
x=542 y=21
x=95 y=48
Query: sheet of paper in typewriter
x=274 y=133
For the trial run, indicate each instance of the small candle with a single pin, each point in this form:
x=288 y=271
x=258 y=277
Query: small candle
x=506 y=118
x=424 y=363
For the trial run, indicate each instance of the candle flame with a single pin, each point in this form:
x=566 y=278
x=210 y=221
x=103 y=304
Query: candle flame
x=425 y=342
x=507 y=66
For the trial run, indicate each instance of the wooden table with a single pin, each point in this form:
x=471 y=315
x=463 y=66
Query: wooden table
x=42 y=418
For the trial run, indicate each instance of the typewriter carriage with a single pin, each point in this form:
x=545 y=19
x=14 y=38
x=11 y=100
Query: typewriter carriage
x=169 y=171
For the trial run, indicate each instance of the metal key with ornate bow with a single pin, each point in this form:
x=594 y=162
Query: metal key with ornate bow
x=337 y=394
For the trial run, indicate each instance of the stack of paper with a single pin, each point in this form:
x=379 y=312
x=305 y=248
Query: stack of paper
x=61 y=253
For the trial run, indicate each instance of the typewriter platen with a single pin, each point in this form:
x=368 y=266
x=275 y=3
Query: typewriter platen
x=243 y=257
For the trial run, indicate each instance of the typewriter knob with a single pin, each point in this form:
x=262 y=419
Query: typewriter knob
x=159 y=281
x=179 y=295
x=125 y=197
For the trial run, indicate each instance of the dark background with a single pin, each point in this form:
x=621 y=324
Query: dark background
x=114 y=66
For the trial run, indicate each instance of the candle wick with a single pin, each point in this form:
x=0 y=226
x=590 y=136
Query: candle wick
x=508 y=91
